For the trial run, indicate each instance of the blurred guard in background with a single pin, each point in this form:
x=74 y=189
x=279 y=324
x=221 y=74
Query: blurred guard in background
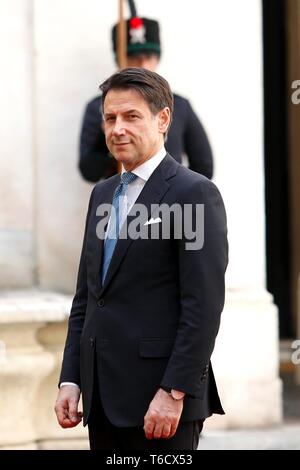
x=186 y=136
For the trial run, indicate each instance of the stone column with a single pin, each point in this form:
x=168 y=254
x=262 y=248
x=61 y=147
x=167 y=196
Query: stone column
x=17 y=253
x=23 y=366
x=32 y=334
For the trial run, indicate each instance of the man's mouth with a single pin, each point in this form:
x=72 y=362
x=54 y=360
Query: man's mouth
x=121 y=143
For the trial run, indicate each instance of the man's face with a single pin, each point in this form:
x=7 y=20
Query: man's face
x=145 y=61
x=133 y=134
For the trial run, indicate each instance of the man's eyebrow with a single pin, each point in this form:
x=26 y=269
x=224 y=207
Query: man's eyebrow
x=131 y=111
x=127 y=111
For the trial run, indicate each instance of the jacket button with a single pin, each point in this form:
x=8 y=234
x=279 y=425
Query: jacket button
x=101 y=303
x=92 y=342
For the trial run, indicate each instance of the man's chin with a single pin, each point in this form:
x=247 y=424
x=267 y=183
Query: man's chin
x=123 y=157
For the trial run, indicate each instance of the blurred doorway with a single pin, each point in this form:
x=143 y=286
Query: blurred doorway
x=281 y=43
x=276 y=161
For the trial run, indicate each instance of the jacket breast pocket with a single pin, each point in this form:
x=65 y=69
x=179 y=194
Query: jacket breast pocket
x=156 y=347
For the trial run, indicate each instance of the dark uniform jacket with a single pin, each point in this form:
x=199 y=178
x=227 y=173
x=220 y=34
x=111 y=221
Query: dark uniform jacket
x=186 y=136
x=155 y=319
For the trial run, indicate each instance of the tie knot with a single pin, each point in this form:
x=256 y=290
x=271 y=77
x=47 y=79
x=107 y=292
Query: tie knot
x=128 y=177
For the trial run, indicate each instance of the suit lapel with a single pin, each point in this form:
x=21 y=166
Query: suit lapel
x=152 y=193
x=105 y=197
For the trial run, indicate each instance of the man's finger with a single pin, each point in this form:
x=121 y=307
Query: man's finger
x=66 y=422
x=166 y=431
x=158 y=431
x=60 y=414
x=63 y=419
x=73 y=410
x=173 y=429
x=149 y=427
x=149 y=431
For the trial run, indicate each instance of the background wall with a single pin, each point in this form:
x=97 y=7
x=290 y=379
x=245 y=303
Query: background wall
x=209 y=56
x=17 y=251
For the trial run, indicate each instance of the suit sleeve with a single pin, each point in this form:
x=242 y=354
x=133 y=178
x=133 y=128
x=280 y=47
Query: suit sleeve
x=197 y=146
x=94 y=159
x=70 y=371
x=202 y=292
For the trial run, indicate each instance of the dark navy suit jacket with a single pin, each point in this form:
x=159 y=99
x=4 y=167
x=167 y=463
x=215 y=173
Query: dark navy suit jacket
x=155 y=319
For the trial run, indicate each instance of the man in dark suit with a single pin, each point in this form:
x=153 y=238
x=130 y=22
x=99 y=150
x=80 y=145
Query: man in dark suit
x=186 y=135
x=150 y=287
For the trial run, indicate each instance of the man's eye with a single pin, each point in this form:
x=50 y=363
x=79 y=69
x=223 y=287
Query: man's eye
x=109 y=119
x=133 y=116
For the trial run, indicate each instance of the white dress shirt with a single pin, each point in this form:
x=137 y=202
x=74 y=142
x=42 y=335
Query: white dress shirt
x=143 y=172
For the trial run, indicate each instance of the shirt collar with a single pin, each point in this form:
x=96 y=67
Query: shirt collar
x=145 y=170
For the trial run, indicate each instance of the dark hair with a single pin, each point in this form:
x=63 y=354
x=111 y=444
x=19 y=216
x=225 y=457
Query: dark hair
x=152 y=87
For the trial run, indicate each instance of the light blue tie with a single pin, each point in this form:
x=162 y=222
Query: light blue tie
x=114 y=223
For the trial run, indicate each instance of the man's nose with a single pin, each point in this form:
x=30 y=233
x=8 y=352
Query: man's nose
x=119 y=127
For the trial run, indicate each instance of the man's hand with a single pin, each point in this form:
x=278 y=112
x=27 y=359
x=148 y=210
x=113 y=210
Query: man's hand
x=162 y=417
x=66 y=406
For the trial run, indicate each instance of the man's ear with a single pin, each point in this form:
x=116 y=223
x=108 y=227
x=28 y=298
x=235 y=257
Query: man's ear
x=164 y=117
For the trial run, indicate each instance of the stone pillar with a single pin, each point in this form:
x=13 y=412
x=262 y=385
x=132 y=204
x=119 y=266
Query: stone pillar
x=23 y=366
x=17 y=253
x=33 y=329
x=52 y=337
x=246 y=362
